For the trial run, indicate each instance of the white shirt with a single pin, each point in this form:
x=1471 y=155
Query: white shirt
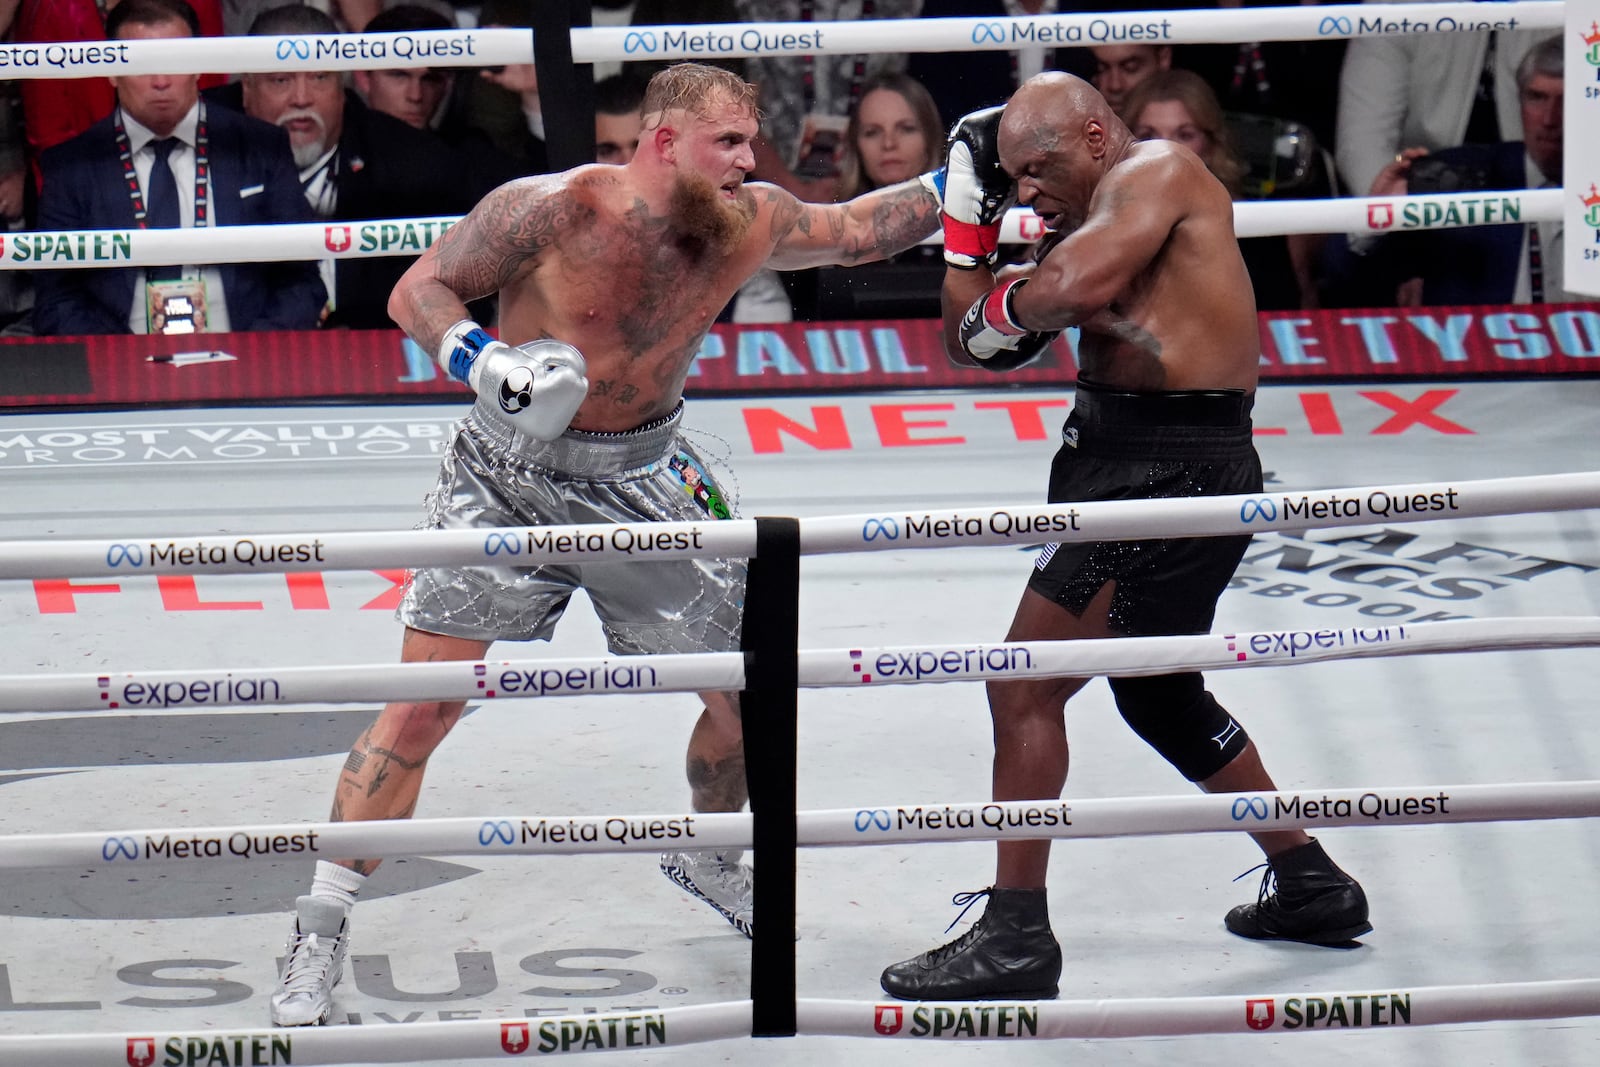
x=1551 y=249
x=181 y=160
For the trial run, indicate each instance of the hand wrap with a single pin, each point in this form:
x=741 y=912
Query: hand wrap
x=991 y=335
x=537 y=386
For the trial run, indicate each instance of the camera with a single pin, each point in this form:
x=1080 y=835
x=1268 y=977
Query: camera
x=1430 y=174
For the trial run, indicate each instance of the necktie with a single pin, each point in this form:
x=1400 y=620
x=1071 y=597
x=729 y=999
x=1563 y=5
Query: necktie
x=1535 y=266
x=161 y=201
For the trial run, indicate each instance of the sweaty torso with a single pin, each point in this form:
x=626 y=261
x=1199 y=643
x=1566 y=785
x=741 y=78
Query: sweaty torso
x=634 y=297
x=1188 y=319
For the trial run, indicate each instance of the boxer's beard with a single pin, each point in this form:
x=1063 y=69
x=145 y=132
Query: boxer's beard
x=697 y=210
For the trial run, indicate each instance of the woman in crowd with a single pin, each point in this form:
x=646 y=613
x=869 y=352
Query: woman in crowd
x=1178 y=105
x=894 y=134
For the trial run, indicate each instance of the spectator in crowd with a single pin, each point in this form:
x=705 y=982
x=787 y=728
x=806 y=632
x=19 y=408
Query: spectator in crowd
x=1177 y=105
x=425 y=98
x=1118 y=68
x=355 y=164
x=1284 y=79
x=414 y=95
x=58 y=109
x=894 y=135
x=966 y=81
x=1430 y=90
x=1506 y=264
x=16 y=211
x=351 y=15
x=503 y=102
x=164 y=159
x=806 y=100
x=617 y=118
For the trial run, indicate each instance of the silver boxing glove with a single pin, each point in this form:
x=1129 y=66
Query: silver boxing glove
x=538 y=386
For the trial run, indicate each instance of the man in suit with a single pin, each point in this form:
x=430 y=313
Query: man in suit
x=1502 y=264
x=355 y=164
x=186 y=165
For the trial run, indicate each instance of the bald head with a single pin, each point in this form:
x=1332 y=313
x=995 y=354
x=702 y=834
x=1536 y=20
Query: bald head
x=1058 y=136
x=1050 y=112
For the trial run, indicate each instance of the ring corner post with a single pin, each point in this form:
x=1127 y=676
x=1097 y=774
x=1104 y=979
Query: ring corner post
x=768 y=709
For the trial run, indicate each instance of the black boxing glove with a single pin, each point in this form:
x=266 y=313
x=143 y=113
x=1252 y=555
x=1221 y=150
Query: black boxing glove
x=977 y=191
x=991 y=335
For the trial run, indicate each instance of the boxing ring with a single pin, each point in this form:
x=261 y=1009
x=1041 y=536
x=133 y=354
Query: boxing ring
x=1479 y=878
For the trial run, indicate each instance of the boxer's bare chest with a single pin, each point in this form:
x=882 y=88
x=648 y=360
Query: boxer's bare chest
x=631 y=277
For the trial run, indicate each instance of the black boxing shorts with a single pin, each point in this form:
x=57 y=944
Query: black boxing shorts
x=1144 y=446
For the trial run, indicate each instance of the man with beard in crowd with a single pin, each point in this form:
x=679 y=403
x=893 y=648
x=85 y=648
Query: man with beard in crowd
x=609 y=279
x=356 y=163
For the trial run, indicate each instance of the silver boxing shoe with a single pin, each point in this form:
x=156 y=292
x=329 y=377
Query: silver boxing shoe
x=719 y=879
x=313 y=963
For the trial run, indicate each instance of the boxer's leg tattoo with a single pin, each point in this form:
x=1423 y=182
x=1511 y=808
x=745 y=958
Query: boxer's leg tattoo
x=720 y=785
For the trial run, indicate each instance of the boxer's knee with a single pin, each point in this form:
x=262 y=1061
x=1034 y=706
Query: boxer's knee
x=1177 y=717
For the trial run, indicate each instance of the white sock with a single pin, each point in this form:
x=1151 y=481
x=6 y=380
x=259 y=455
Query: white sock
x=333 y=882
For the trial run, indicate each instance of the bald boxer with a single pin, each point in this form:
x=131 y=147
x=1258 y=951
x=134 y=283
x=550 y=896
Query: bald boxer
x=1145 y=263
x=609 y=278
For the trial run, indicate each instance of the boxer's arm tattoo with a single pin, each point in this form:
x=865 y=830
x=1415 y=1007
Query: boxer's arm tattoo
x=718 y=786
x=870 y=227
x=901 y=218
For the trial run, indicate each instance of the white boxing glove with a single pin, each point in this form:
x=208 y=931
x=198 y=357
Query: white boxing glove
x=537 y=386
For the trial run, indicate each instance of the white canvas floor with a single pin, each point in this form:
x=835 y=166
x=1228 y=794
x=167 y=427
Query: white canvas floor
x=1141 y=917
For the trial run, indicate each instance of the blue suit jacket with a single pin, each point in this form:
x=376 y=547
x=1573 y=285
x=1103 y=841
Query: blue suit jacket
x=1474 y=264
x=84 y=189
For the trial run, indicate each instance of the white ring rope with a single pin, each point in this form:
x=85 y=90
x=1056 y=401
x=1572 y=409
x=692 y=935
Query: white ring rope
x=88 y=249
x=160 y=691
x=91 y=249
x=496 y=47
x=1116 y=520
x=471 y=1039
x=903 y=824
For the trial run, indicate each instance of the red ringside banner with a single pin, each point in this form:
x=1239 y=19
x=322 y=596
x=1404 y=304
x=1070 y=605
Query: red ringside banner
x=1550 y=339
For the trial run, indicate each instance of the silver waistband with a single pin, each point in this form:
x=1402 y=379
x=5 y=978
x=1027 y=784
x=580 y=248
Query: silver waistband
x=579 y=453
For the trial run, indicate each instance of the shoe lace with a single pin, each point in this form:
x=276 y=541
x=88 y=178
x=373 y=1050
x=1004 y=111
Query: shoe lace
x=964 y=901
x=309 y=960
x=1269 y=882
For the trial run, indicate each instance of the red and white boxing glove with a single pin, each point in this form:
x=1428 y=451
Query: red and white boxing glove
x=977 y=191
x=991 y=335
x=537 y=386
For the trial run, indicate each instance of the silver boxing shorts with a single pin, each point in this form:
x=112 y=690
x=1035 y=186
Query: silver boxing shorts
x=493 y=477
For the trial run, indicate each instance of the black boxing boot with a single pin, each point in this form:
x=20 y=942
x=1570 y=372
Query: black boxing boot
x=1009 y=952
x=1315 y=902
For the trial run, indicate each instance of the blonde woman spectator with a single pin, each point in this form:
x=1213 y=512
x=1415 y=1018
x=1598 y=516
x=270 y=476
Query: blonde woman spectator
x=1178 y=105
